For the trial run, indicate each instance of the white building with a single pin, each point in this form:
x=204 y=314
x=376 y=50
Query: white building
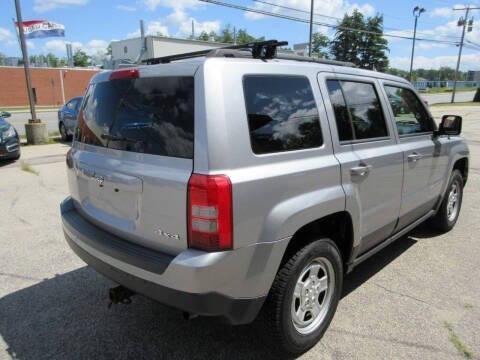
x=157 y=46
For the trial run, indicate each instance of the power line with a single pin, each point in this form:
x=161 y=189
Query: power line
x=328 y=16
x=338 y=27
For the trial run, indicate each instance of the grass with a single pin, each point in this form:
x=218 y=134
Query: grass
x=468 y=306
x=28 y=168
x=457 y=342
x=445 y=90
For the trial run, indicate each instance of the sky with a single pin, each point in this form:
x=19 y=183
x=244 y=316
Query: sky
x=92 y=24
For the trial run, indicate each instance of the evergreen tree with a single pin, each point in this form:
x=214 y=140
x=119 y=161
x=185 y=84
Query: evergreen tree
x=347 y=44
x=373 y=54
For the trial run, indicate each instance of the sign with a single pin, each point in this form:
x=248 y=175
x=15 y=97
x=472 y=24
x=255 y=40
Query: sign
x=35 y=29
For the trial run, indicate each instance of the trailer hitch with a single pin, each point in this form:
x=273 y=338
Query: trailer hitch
x=120 y=295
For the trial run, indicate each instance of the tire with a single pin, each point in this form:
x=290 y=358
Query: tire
x=63 y=132
x=446 y=217
x=289 y=334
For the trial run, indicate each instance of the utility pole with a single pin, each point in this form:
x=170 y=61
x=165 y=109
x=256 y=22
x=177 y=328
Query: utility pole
x=417 y=11
x=311 y=29
x=26 y=64
x=462 y=22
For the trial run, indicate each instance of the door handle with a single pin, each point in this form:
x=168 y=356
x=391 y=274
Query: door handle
x=361 y=170
x=414 y=157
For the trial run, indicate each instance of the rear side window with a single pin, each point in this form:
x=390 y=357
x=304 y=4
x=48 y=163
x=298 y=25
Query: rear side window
x=282 y=113
x=410 y=115
x=358 y=112
x=145 y=115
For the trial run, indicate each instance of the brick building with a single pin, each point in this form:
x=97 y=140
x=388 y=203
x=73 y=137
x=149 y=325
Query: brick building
x=51 y=86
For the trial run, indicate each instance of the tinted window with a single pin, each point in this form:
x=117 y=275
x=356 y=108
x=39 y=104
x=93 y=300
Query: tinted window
x=357 y=104
x=146 y=115
x=410 y=114
x=282 y=114
x=342 y=117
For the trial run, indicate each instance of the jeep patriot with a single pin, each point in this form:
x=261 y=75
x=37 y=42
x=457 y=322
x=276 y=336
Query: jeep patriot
x=234 y=182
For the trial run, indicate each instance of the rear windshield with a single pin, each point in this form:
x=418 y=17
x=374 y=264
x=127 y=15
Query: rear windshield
x=145 y=115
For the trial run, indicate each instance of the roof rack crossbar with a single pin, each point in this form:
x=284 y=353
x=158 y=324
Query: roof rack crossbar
x=259 y=50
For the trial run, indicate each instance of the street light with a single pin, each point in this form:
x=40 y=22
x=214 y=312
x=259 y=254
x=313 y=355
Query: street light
x=417 y=11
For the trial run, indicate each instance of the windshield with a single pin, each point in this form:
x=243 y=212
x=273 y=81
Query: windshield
x=146 y=115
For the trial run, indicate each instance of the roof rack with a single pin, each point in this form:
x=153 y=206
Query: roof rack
x=257 y=50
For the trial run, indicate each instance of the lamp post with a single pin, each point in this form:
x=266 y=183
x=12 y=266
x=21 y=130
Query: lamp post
x=417 y=11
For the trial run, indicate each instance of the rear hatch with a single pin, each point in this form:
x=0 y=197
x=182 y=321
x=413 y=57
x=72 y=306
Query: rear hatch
x=133 y=156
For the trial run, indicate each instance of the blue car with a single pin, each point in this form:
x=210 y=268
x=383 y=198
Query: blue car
x=67 y=118
x=9 y=139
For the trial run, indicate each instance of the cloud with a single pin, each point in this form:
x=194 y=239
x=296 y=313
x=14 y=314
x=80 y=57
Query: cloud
x=442 y=12
x=126 y=8
x=328 y=8
x=181 y=22
x=469 y=62
x=7 y=37
x=153 y=28
x=47 y=5
x=174 y=4
x=92 y=48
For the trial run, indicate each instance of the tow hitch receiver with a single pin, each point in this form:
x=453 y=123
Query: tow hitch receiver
x=120 y=295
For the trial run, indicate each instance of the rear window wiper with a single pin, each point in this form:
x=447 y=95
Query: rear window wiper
x=117 y=138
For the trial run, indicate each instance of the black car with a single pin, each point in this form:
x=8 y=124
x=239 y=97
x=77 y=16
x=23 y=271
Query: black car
x=9 y=139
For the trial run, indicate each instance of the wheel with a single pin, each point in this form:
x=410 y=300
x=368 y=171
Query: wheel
x=449 y=210
x=63 y=132
x=304 y=297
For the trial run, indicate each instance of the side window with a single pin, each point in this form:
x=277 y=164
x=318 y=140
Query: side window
x=410 y=115
x=282 y=113
x=342 y=116
x=358 y=112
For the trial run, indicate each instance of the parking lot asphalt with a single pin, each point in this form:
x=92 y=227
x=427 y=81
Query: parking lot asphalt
x=417 y=299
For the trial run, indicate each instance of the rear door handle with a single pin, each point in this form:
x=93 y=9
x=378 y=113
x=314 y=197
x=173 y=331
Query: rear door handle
x=361 y=170
x=414 y=157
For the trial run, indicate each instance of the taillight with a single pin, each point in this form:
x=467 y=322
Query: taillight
x=210 y=224
x=124 y=74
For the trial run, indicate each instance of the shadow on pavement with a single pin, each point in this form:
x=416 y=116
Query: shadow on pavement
x=67 y=317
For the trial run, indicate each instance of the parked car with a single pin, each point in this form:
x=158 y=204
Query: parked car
x=9 y=139
x=67 y=118
x=242 y=182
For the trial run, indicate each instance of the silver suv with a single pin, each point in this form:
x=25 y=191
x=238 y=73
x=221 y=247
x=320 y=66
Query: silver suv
x=244 y=180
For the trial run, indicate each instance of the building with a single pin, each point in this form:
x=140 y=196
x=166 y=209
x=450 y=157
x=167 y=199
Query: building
x=473 y=76
x=51 y=86
x=129 y=50
x=12 y=61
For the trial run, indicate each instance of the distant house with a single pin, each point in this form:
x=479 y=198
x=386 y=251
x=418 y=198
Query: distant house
x=473 y=76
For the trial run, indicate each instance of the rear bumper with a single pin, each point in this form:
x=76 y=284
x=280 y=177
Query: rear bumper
x=232 y=285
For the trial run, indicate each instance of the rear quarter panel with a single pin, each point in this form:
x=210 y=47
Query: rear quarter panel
x=273 y=194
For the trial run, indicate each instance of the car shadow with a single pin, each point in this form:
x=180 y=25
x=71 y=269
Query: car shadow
x=6 y=162
x=67 y=317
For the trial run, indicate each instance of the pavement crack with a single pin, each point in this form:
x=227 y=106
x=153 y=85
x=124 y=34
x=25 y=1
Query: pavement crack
x=401 y=294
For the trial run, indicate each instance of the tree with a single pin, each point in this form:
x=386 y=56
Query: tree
x=373 y=55
x=52 y=60
x=80 y=58
x=226 y=35
x=347 y=44
x=2 y=59
x=360 y=40
x=203 y=36
x=320 y=45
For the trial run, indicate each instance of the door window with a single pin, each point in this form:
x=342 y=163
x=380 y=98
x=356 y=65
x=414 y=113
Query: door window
x=411 y=117
x=358 y=112
x=282 y=113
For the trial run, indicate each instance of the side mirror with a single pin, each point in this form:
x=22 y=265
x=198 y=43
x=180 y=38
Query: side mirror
x=5 y=114
x=450 y=125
